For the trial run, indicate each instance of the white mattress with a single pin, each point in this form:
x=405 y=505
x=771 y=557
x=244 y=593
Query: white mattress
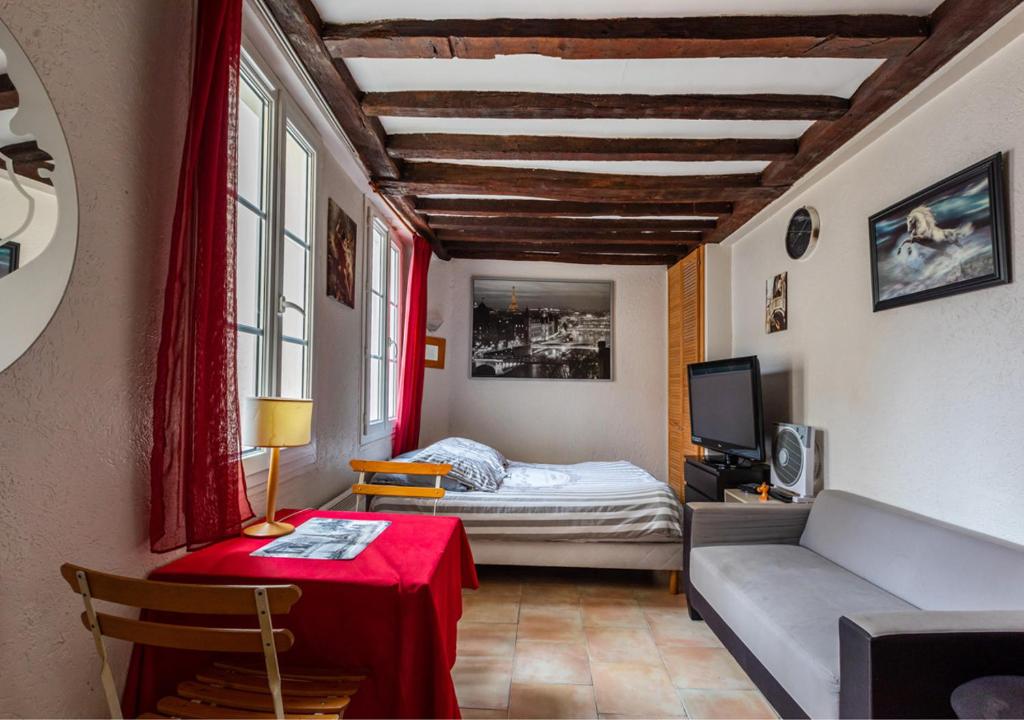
x=587 y=502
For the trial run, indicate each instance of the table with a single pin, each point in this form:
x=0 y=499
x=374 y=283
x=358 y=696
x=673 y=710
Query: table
x=390 y=613
x=735 y=495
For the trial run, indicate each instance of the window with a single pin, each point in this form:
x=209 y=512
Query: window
x=383 y=324
x=275 y=194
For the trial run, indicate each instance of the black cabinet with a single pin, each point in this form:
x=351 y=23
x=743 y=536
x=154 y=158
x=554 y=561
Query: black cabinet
x=706 y=481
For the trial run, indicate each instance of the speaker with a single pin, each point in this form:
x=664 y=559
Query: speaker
x=796 y=459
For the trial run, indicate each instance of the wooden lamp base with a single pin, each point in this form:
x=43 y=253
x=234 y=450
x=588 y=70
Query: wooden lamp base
x=270 y=528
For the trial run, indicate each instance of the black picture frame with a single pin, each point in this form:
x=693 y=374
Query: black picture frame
x=992 y=169
x=9 y=253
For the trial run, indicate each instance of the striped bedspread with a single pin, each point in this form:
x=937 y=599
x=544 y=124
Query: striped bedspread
x=593 y=501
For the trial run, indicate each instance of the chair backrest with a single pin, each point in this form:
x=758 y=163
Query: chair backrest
x=372 y=467
x=260 y=601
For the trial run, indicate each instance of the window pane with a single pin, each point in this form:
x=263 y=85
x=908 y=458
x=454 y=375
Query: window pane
x=247 y=365
x=377 y=269
x=247 y=264
x=393 y=332
x=376 y=326
x=295 y=287
x=251 y=115
x=392 y=389
x=395 y=266
x=296 y=190
x=293 y=366
x=373 y=402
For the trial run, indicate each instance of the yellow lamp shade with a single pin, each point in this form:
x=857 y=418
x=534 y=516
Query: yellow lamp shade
x=276 y=422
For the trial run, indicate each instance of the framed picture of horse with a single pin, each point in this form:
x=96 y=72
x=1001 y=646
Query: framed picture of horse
x=947 y=239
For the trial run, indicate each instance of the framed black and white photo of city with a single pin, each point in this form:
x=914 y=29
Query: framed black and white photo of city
x=542 y=329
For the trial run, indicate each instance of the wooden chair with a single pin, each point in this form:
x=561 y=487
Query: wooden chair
x=232 y=689
x=371 y=467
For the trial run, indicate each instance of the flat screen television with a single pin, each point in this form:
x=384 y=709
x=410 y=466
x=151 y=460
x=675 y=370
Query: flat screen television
x=726 y=409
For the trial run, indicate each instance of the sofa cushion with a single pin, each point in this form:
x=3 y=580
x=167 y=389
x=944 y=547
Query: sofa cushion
x=928 y=563
x=784 y=602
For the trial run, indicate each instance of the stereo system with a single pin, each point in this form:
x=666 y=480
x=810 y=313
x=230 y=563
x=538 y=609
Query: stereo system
x=797 y=460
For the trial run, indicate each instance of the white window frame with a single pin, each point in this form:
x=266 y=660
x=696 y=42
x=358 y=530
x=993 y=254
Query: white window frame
x=283 y=115
x=383 y=428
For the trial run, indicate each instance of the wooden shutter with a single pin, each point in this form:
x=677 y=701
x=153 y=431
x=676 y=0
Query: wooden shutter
x=685 y=346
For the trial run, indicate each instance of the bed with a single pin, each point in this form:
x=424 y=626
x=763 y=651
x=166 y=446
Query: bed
x=592 y=514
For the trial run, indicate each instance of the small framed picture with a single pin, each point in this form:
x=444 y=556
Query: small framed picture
x=434 y=352
x=776 y=310
x=9 y=252
x=947 y=239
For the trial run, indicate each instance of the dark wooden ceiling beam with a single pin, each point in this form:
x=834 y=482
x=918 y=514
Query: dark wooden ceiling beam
x=525 y=105
x=471 y=207
x=849 y=36
x=577 y=224
x=442 y=178
x=955 y=24
x=301 y=24
x=566 y=257
x=625 y=249
x=443 y=146
x=8 y=94
x=630 y=238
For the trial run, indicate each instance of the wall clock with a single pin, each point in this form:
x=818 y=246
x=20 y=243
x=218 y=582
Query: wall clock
x=802 y=233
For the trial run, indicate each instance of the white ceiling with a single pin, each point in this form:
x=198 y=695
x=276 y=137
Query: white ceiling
x=627 y=167
x=347 y=11
x=646 y=128
x=535 y=73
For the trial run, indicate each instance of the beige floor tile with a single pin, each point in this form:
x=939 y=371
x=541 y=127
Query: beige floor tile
x=622 y=644
x=488 y=609
x=659 y=598
x=670 y=626
x=538 y=661
x=548 y=592
x=486 y=639
x=534 y=611
x=620 y=612
x=704 y=668
x=607 y=591
x=726 y=704
x=635 y=689
x=553 y=629
x=496 y=589
x=552 y=701
x=482 y=682
x=482 y=714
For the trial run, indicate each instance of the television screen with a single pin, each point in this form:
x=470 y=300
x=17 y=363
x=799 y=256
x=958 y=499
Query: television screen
x=725 y=407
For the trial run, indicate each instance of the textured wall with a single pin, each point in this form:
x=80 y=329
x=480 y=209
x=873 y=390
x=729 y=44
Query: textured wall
x=75 y=409
x=556 y=420
x=922 y=405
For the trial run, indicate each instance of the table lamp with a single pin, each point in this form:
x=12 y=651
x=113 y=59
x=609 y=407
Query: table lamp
x=274 y=423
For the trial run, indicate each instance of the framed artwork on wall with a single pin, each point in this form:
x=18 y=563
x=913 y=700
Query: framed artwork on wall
x=542 y=329
x=946 y=239
x=341 y=255
x=776 y=303
x=434 y=352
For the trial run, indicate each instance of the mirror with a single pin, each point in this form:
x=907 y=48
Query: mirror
x=38 y=204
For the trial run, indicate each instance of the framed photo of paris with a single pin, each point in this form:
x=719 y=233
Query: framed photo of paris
x=542 y=329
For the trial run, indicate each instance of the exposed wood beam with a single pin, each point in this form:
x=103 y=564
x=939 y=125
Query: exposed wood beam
x=954 y=25
x=503 y=246
x=537 y=147
x=564 y=257
x=651 y=238
x=28 y=160
x=470 y=207
x=850 y=36
x=8 y=94
x=438 y=178
x=489 y=104
x=301 y=24
x=582 y=225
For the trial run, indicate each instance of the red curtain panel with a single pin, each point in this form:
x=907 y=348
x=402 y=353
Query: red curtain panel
x=410 y=388
x=197 y=483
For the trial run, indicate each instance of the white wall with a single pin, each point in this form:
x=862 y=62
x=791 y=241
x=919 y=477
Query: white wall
x=717 y=302
x=558 y=421
x=923 y=405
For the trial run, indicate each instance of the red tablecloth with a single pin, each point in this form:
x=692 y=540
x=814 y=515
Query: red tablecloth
x=392 y=613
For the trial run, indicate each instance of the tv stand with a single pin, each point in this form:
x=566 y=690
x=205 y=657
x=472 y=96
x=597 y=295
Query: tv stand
x=727 y=462
x=708 y=478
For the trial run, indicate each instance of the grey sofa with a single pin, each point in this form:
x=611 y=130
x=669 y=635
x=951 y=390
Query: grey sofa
x=852 y=608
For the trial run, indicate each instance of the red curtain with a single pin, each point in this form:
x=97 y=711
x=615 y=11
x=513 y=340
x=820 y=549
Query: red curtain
x=410 y=387
x=196 y=478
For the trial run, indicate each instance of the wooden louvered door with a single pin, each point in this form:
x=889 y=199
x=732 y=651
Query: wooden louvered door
x=685 y=346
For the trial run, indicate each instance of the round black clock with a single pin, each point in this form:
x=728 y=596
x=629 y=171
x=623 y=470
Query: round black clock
x=802 y=233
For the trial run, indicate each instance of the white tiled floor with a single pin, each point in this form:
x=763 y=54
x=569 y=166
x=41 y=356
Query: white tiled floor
x=553 y=643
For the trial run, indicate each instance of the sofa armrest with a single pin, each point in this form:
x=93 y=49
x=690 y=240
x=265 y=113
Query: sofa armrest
x=715 y=523
x=907 y=664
